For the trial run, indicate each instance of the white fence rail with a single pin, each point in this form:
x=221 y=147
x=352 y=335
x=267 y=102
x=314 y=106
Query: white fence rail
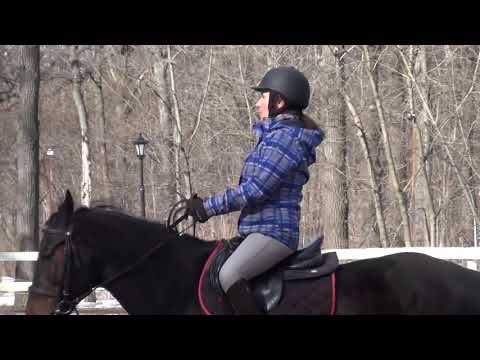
x=469 y=254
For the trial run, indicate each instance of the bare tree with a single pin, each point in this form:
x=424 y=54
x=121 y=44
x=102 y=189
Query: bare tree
x=27 y=216
x=164 y=131
x=375 y=189
x=334 y=174
x=86 y=184
x=465 y=114
x=98 y=80
x=421 y=142
x=428 y=96
x=386 y=143
x=177 y=133
x=439 y=136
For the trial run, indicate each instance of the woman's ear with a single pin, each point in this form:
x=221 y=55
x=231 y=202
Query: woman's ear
x=280 y=102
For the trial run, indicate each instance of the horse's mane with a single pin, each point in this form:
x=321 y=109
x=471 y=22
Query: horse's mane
x=129 y=224
x=112 y=212
x=120 y=217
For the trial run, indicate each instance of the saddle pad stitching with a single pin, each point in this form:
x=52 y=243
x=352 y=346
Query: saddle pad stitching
x=334 y=295
x=202 y=277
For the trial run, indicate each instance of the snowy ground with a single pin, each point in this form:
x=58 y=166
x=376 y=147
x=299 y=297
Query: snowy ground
x=105 y=300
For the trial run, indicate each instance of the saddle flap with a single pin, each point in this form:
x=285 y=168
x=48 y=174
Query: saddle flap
x=268 y=289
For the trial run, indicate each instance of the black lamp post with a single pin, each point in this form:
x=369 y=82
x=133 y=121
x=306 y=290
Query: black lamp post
x=140 y=144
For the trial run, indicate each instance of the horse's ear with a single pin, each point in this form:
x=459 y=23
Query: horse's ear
x=68 y=203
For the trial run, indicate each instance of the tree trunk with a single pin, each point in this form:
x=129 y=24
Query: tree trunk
x=443 y=219
x=364 y=212
x=27 y=216
x=422 y=139
x=362 y=136
x=86 y=184
x=388 y=153
x=102 y=126
x=436 y=129
x=242 y=78
x=466 y=116
x=475 y=149
x=165 y=135
x=388 y=83
x=335 y=186
x=177 y=136
x=121 y=77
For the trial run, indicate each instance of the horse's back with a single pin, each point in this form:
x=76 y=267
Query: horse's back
x=407 y=283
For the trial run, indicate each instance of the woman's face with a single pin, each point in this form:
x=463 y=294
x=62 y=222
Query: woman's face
x=261 y=107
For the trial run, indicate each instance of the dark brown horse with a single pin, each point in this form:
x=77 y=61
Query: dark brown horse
x=152 y=270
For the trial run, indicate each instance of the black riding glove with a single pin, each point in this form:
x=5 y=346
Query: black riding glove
x=196 y=210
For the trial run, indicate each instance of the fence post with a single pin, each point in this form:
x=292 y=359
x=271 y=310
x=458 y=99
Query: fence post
x=472 y=265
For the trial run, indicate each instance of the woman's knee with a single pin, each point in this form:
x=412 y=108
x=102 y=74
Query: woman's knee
x=228 y=277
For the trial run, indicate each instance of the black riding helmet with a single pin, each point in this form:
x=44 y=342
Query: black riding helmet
x=288 y=82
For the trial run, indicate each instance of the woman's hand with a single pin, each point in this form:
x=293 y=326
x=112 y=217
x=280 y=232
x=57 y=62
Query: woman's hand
x=196 y=210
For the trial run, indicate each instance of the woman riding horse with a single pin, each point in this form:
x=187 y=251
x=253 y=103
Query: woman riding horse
x=269 y=192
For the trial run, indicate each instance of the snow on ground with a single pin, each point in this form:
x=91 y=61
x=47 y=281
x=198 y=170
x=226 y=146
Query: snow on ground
x=104 y=298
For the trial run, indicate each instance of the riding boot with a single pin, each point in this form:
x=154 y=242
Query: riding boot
x=242 y=299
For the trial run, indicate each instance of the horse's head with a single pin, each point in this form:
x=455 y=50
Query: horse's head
x=105 y=247
x=49 y=275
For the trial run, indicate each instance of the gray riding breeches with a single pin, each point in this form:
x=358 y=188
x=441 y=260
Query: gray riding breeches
x=256 y=254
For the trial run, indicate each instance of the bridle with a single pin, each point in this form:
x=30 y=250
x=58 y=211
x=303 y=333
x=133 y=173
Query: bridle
x=64 y=237
x=67 y=304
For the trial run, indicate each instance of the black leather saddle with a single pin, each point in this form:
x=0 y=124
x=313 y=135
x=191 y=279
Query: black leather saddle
x=306 y=263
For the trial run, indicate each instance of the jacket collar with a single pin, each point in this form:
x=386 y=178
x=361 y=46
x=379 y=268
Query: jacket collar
x=261 y=127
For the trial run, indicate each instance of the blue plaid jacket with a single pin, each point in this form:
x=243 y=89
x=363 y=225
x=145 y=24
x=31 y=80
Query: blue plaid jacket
x=270 y=187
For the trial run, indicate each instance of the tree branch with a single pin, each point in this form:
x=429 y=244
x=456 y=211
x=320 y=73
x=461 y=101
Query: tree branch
x=426 y=107
x=202 y=103
x=471 y=86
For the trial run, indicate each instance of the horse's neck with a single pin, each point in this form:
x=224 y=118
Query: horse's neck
x=169 y=283
x=193 y=254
